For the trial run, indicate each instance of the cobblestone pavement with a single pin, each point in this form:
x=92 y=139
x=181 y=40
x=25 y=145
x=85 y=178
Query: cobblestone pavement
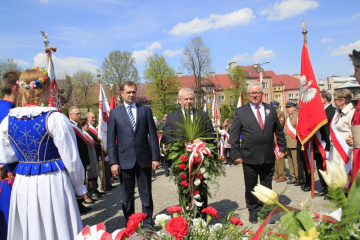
x=229 y=196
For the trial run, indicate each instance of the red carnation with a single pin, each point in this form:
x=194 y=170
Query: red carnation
x=183 y=176
x=196 y=160
x=248 y=232
x=182 y=166
x=178 y=227
x=131 y=226
x=184 y=183
x=236 y=221
x=196 y=192
x=184 y=158
x=121 y=235
x=198 y=176
x=138 y=217
x=210 y=210
x=175 y=209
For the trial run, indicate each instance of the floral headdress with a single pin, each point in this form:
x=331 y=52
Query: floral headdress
x=36 y=83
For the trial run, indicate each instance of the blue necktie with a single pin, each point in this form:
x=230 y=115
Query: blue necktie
x=131 y=117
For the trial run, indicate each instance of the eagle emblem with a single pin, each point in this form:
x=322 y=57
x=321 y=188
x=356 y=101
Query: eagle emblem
x=306 y=92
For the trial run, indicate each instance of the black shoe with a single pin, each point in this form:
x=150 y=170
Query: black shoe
x=298 y=184
x=84 y=209
x=306 y=188
x=153 y=176
x=322 y=194
x=167 y=174
x=253 y=217
x=108 y=188
x=290 y=182
x=111 y=186
x=98 y=193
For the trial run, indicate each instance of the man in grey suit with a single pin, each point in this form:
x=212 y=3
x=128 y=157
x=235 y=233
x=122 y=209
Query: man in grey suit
x=133 y=150
x=257 y=122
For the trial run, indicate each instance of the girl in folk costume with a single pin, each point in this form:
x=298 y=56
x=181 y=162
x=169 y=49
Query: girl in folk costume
x=354 y=139
x=340 y=129
x=49 y=175
x=225 y=146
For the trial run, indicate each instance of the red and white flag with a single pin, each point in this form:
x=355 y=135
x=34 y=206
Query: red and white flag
x=311 y=115
x=112 y=102
x=104 y=112
x=54 y=100
x=240 y=101
x=260 y=78
x=215 y=111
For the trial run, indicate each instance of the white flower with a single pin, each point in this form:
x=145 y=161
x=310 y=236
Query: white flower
x=206 y=175
x=161 y=218
x=336 y=176
x=215 y=227
x=202 y=170
x=197 y=196
x=198 y=223
x=266 y=195
x=205 y=181
x=197 y=182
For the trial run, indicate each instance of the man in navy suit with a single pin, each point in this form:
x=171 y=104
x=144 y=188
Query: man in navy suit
x=257 y=122
x=133 y=150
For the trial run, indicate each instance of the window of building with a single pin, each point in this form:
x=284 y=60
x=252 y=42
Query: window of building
x=221 y=99
x=209 y=89
x=291 y=96
x=329 y=86
x=208 y=99
x=297 y=96
x=277 y=97
x=266 y=96
x=265 y=85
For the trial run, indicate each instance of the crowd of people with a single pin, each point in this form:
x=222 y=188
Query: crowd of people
x=51 y=164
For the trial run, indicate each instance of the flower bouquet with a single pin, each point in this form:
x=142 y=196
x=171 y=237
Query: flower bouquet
x=195 y=162
x=301 y=224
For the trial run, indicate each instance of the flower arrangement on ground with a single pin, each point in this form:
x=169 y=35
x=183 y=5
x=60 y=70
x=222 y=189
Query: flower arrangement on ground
x=195 y=164
x=304 y=225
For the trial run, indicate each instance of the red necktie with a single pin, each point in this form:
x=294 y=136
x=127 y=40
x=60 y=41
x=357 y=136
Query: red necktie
x=259 y=118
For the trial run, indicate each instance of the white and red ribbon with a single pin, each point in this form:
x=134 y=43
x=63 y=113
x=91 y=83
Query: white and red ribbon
x=197 y=151
x=290 y=129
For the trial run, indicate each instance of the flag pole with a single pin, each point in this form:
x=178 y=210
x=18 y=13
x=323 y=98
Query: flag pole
x=304 y=32
x=102 y=148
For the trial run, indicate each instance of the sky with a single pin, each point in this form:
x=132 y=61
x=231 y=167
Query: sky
x=245 y=32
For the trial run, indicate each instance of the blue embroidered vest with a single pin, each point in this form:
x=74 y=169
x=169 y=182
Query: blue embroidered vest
x=34 y=145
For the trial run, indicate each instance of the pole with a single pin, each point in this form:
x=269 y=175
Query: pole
x=312 y=167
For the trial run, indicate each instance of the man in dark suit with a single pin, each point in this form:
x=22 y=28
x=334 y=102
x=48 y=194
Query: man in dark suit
x=325 y=136
x=186 y=100
x=133 y=150
x=257 y=122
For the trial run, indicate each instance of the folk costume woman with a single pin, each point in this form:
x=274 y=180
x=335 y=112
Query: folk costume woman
x=49 y=175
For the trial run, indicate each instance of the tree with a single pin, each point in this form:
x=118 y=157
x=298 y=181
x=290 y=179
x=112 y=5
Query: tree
x=238 y=77
x=119 y=67
x=65 y=85
x=84 y=88
x=162 y=84
x=7 y=65
x=197 y=61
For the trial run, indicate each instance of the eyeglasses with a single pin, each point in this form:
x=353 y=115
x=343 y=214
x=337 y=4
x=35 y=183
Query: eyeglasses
x=76 y=113
x=337 y=99
x=255 y=93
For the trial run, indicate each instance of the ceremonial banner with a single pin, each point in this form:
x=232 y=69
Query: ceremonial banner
x=311 y=115
x=260 y=80
x=240 y=101
x=104 y=112
x=112 y=102
x=54 y=100
x=215 y=111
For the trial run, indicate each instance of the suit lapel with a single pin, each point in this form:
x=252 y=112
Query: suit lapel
x=124 y=115
x=267 y=114
x=252 y=116
x=138 y=112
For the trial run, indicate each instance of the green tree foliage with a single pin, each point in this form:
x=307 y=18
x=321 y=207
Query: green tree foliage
x=162 y=85
x=119 y=67
x=238 y=77
x=225 y=112
x=84 y=88
x=7 y=65
x=197 y=61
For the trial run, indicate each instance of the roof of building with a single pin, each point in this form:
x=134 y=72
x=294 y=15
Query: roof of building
x=343 y=79
x=350 y=84
x=275 y=79
x=290 y=82
x=253 y=72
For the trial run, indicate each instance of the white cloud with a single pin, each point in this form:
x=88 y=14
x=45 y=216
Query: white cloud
x=21 y=62
x=154 y=46
x=68 y=64
x=259 y=55
x=171 y=53
x=346 y=49
x=324 y=40
x=288 y=8
x=214 y=21
x=141 y=56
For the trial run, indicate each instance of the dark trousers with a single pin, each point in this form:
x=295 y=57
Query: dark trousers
x=319 y=165
x=251 y=174
x=127 y=181
x=302 y=160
